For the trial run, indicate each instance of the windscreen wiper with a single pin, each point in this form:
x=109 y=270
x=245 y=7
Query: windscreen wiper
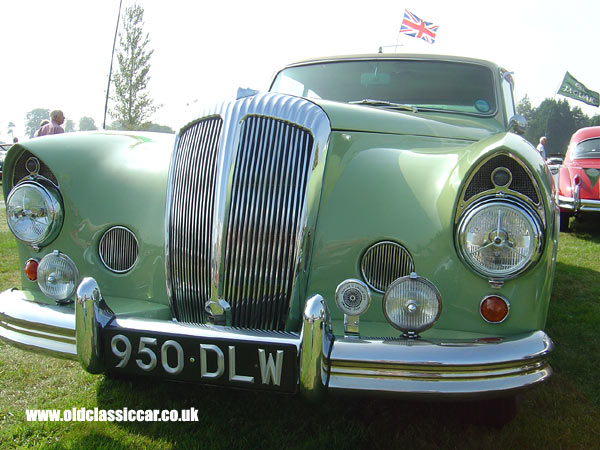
x=385 y=104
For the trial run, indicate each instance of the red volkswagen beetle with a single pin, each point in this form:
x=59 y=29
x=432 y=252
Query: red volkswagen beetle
x=579 y=189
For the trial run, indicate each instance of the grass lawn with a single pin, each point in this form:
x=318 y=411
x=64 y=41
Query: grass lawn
x=564 y=413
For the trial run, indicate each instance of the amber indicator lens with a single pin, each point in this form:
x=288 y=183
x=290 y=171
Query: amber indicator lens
x=494 y=309
x=30 y=269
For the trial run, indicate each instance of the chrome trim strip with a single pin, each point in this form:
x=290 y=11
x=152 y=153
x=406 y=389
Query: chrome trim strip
x=439 y=368
x=37 y=327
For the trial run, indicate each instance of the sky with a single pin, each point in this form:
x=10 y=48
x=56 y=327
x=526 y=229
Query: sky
x=57 y=55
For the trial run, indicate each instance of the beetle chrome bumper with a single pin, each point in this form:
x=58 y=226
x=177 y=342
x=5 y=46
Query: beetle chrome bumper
x=418 y=368
x=577 y=204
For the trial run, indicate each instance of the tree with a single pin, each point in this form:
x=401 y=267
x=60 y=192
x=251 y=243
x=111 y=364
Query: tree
x=87 y=124
x=160 y=128
x=33 y=119
x=133 y=105
x=11 y=129
x=554 y=119
x=69 y=126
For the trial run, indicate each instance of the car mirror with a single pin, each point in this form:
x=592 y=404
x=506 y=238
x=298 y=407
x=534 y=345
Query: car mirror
x=517 y=124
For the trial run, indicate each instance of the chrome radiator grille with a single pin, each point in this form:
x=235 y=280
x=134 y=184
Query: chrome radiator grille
x=191 y=215
x=236 y=210
x=269 y=185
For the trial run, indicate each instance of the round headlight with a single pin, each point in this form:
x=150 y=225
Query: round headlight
x=57 y=276
x=34 y=213
x=412 y=304
x=499 y=239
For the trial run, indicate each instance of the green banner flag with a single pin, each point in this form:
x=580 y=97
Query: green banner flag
x=572 y=88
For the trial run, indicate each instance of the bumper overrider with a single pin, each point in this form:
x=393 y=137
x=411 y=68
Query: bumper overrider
x=313 y=361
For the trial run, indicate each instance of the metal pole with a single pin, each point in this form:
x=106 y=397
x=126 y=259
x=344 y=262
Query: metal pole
x=112 y=56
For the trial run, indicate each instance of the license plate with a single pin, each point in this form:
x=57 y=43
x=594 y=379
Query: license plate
x=198 y=360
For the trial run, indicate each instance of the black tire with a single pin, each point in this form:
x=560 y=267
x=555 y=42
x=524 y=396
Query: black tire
x=564 y=222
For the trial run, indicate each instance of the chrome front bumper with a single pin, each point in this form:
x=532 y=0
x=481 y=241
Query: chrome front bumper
x=414 y=368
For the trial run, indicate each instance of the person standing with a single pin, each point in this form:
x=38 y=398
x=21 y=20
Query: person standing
x=57 y=118
x=542 y=147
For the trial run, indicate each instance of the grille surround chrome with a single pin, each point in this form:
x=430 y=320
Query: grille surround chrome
x=196 y=300
x=115 y=260
x=384 y=262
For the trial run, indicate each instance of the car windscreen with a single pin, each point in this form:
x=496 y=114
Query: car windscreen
x=587 y=149
x=437 y=85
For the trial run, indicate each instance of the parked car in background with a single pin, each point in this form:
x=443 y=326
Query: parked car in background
x=579 y=190
x=374 y=224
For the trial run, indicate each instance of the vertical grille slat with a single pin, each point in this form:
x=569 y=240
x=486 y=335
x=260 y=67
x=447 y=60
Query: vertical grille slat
x=191 y=212
x=385 y=262
x=236 y=211
x=264 y=213
x=118 y=249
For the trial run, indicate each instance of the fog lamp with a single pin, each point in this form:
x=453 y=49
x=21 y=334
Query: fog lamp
x=57 y=276
x=494 y=309
x=412 y=304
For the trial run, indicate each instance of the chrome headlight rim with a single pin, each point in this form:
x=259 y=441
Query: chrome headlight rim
x=42 y=280
x=413 y=277
x=516 y=205
x=53 y=201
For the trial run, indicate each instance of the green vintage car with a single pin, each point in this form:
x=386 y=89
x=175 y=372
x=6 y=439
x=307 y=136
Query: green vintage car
x=373 y=224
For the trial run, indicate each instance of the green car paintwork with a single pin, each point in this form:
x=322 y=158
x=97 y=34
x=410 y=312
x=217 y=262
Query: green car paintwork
x=383 y=174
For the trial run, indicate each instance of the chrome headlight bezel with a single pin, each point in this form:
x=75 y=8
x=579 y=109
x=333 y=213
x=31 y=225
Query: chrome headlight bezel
x=412 y=304
x=515 y=206
x=56 y=268
x=53 y=210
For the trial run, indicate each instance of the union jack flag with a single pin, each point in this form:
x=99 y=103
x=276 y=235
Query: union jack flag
x=415 y=27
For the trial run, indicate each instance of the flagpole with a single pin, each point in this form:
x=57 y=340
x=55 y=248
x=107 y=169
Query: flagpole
x=112 y=57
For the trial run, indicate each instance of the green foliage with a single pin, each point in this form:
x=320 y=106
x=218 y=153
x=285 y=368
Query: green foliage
x=33 y=119
x=554 y=119
x=69 y=126
x=133 y=105
x=160 y=128
x=87 y=124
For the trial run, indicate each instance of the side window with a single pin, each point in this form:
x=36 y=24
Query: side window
x=507 y=95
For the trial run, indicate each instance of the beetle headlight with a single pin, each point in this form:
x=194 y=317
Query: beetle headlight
x=499 y=239
x=57 y=276
x=34 y=212
x=412 y=304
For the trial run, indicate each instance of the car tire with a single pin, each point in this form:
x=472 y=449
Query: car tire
x=564 y=222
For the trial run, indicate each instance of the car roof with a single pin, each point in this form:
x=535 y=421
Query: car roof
x=585 y=133
x=397 y=56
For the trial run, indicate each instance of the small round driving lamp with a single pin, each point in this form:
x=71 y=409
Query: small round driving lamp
x=499 y=239
x=412 y=304
x=57 y=276
x=34 y=212
x=494 y=309
x=353 y=297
